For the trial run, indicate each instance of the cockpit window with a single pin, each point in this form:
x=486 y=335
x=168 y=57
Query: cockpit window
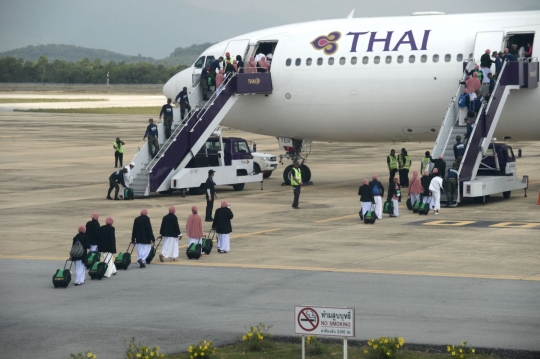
x=199 y=64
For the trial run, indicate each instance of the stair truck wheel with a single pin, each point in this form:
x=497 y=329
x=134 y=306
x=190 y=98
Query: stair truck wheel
x=238 y=186
x=507 y=194
x=267 y=174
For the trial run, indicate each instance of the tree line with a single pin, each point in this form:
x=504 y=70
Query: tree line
x=84 y=71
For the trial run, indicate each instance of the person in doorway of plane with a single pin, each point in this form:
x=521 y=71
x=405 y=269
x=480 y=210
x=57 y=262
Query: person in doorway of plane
x=509 y=56
x=485 y=65
x=239 y=64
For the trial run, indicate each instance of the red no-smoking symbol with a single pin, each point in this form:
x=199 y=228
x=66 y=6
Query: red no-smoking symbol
x=308 y=319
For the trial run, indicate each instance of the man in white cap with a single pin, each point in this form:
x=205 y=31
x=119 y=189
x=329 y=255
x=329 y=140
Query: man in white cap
x=127 y=177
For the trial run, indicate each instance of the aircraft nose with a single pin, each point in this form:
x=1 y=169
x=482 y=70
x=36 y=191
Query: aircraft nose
x=177 y=82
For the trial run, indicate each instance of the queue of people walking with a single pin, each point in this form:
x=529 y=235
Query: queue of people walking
x=99 y=241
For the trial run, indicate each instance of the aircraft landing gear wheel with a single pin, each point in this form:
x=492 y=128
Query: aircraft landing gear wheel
x=306 y=174
x=507 y=194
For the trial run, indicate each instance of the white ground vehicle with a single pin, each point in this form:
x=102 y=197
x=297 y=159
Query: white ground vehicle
x=264 y=162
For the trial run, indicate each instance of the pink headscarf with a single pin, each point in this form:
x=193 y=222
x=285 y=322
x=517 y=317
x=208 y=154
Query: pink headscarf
x=235 y=64
x=265 y=65
x=251 y=66
x=441 y=157
x=473 y=83
x=476 y=67
x=488 y=51
x=506 y=50
x=109 y=220
x=95 y=216
x=374 y=177
x=365 y=181
x=224 y=204
x=144 y=212
x=172 y=209
x=194 y=228
x=82 y=229
x=426 y=173
x=219 y=78
x=435 y=170
x=415 y=186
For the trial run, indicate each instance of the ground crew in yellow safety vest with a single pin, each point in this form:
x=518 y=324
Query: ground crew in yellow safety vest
x=296 y=183
x=404 y=166
x=424 y=164
x=392 y=163
x=118 y=146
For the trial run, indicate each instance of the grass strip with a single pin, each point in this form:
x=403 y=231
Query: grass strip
x=285 y=350
x=40 y=100
x=151 y=110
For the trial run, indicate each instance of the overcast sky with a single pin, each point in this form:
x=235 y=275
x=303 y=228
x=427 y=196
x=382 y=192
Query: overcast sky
x=156 y=27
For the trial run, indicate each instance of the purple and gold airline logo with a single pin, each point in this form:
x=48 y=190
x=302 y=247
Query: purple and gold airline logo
x=374 y=41
x=327 y=43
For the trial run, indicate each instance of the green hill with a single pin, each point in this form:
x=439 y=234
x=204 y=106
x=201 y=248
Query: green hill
x=71 y=53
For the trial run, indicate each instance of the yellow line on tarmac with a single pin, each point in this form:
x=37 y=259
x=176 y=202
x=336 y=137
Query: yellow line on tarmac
x=336 y=218
x=535 y=277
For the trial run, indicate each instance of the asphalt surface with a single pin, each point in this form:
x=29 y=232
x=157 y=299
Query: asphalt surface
x=173 y=306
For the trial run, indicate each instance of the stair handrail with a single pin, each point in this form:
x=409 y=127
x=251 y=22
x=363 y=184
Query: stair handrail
x=213 y=97
x=449 y=108
x=181 y=125
x=472 y=135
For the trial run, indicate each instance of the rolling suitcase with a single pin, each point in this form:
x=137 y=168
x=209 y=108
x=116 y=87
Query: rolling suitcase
x=62 y=277
x=417 y=205
x=424 y=208
x=208 y=243
x=123 y=260
x=153 y=251
x=98 y=269
x=93 y=257
x=194 y=251
x=409 y=204
x=388 y=207
x=128 y=194
x=370 y=216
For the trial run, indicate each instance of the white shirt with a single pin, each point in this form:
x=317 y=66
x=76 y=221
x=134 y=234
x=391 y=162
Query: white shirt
x=127 y=176
x=258 y=57
x=436 y=184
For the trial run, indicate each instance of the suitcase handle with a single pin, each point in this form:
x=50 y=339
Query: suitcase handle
x=210 y=232
x=109 y=259
x=65 y=264
x=160 y=239
x=132 y=249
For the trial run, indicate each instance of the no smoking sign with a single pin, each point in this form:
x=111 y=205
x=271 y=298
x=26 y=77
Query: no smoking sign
x=326 y=321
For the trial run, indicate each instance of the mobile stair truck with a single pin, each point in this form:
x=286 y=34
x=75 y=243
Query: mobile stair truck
x=184 y=159
x=487 y=167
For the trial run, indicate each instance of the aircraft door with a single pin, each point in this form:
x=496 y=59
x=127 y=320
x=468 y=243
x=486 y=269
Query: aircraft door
x=237 y=47
x=197 y=68
x=492 y=40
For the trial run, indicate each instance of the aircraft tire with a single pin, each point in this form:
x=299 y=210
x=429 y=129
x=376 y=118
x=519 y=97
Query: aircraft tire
x=238 y=186
x=306 y=174
x=507 y=194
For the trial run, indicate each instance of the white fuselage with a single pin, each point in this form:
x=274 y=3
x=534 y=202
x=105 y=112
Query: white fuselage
x=383 y=101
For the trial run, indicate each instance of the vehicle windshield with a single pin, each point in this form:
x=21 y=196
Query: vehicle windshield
x=241 y=147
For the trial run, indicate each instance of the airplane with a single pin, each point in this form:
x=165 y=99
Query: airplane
x=371 y=79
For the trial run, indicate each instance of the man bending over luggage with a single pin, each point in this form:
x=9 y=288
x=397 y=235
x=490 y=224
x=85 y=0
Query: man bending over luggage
x=115 y=179
x=143 y=236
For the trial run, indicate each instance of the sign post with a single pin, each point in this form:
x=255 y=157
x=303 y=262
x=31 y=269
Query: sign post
x=324 y=321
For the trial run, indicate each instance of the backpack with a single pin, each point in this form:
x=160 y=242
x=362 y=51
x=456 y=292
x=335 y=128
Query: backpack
x=77 y=250
x=462 y=102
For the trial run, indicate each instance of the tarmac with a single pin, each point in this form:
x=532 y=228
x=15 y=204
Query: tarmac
x=471 y=273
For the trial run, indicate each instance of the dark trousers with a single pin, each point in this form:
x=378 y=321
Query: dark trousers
x=167 y=122
x=153 y=142
x=204 y=84
x=183 y=107
x=451 y=186
x=209 y=207
x=404 y=177
x=392 y=175
x=296 y=191
x=113 y=185
x=118 y=157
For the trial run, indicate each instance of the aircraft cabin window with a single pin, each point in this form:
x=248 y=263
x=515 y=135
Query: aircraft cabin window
x=199 y=64
x=320 y=61
x=448 y=58
x=330 y=61
x=365 y=60
x=400 y=59
x=308 y=61
x=353 y=60
x=459 y=57
x=388 y=59
x=412 y=58
x=342 y=61
x=298 y=62
x=377 y=59
x=435 y=58
x=288 y=62
x=423 y=58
